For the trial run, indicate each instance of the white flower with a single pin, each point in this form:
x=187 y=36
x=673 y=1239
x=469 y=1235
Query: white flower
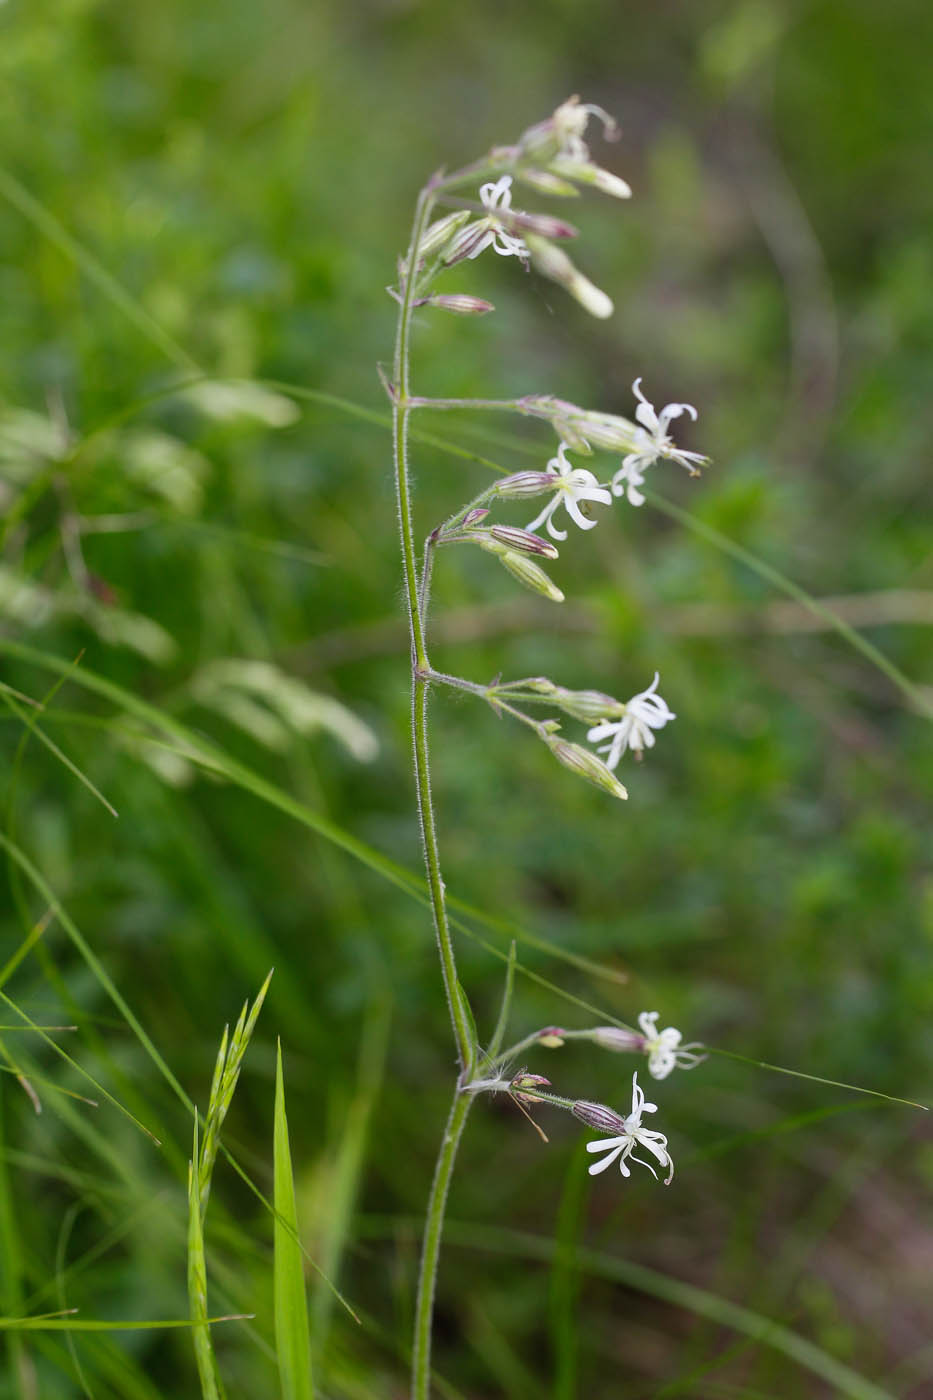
x=632 y=1136
x=571 y=484
x=495 y=197
x=663 y=1048
x=652 y=442
x=643 y=713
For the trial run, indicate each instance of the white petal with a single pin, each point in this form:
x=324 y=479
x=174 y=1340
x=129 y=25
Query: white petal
x=573 y=510
x=607 y=1161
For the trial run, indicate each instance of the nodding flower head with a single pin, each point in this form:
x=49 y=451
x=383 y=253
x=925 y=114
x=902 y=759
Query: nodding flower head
x=571 y=485
x=653 y=441
x=621 y=1146
x=644 y=713
x=664 y=1049
x=560 y=136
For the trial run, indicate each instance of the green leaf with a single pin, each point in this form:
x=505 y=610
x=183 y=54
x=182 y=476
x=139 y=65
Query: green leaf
x=292 y=1341
x=498 y=1035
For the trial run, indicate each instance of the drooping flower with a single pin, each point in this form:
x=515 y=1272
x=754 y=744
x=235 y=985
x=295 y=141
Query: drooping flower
x=633 y=1135
x=663 y=1048
x=644 y=713
x=496 y=197
x=571 y=484
x=653 y=441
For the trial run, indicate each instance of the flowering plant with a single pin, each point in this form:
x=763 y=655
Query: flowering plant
x=551 y=157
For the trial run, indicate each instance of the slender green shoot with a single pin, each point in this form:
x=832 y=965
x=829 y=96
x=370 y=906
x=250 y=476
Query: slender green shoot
x=292 y=1336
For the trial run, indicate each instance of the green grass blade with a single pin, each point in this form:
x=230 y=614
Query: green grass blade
x=765 y=1331
x=767 y=571
x=25 y=718
x=502 y=1024
x=213 y=759
x=292 y=1339
x=209 y=1376
x=49 y=226
x=348 y=1164
x=702 y=1303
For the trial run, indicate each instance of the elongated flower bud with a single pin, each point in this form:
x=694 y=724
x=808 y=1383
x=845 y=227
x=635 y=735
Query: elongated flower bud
x=459 y=303
x=439 y=234
x=589 y=174
x=526 y=484
x=612 y=1038
x=553 y=263
x=597 y=1115
x=587 y=705
x=524 y=541
x=581 y=761
x=533 y=577
x=544 y=225
x=547 y=183
x=572 y=423
x=474 y=516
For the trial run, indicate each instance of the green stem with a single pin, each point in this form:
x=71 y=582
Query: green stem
x=400 y=416
x=492 y=405
x=417 y=596
x=430 y=1250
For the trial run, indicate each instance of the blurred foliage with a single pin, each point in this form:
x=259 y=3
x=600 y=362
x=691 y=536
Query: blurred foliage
x=245 y=173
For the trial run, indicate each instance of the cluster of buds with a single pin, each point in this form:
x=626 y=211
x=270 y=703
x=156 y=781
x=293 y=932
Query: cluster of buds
x=551 y=157
x=514 y=548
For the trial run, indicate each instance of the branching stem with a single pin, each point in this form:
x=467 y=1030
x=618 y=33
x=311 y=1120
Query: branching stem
x=416 y=592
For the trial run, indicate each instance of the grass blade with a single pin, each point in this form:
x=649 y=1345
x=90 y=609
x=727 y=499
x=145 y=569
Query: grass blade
x=211 y=1387
x=292 y=1339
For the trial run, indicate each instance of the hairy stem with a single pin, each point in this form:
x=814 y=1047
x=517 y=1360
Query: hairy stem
x=417 y=597
x=431 y=1247
x=400 y=415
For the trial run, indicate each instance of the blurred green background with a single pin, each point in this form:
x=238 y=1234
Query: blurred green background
x=246 y=173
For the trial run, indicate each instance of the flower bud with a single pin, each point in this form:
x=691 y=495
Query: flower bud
x=528 y=573
x=526 y=484
x=612 y=1038
x=474 y=516
x=540 y=685
x=590 y=706
x=598 y=1116
x=547 y=183
x=573 y=424
x=440 y=234
x=554 y=264
x=459 y=303
x=551 y=1037
x=581 y=761
x=524 y=541
x=544 y=225
x=589 y=174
